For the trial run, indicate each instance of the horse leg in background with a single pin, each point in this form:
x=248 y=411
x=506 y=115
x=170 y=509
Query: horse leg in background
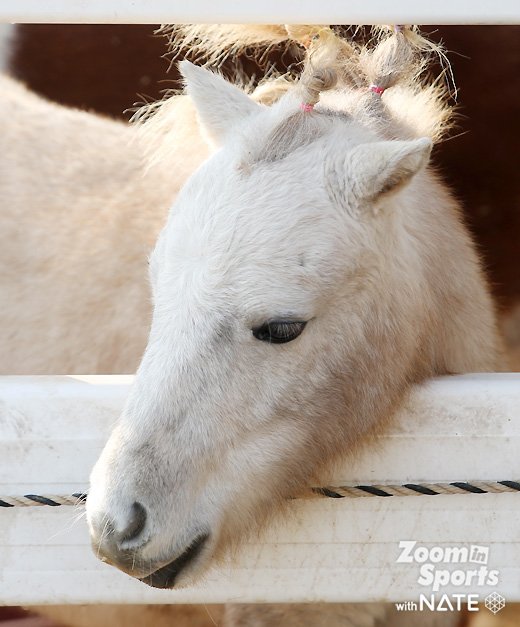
x=334 y=615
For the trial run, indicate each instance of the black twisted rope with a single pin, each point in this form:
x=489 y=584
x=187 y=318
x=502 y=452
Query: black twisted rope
x=28 y=500
x=420 y=489
x=334 y=492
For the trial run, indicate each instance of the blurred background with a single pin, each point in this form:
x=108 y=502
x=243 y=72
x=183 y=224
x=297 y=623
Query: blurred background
x=109 y=68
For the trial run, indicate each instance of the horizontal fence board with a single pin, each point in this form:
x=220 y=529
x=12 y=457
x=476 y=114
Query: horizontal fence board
x=349 y=560
x=268 y=11
x=321 y=520
x=458 y=428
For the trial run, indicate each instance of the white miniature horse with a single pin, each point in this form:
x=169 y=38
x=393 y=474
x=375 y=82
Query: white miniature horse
x=309 y=273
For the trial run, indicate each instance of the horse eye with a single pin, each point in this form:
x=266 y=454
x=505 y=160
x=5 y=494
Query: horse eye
x=279 y=331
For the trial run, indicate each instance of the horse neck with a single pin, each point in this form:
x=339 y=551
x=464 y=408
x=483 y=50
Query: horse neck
x=447 y=296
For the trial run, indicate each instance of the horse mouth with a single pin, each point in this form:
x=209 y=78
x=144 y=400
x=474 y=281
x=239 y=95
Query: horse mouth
x=165 y=576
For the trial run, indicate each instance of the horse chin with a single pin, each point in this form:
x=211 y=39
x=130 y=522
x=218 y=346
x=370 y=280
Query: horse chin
x=168 y=576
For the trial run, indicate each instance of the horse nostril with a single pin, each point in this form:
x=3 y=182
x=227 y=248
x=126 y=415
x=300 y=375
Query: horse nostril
x=135 y=525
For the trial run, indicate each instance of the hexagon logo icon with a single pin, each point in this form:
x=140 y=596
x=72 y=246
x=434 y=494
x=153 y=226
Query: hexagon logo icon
x=495 y=602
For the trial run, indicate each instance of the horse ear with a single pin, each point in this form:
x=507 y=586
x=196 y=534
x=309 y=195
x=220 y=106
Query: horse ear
x=379 y=168
x=383 y=167
x=219 y=104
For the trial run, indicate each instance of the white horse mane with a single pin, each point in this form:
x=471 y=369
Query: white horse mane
x=413 y=105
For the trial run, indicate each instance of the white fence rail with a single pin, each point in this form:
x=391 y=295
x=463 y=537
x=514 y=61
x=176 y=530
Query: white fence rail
x=452 y=429
x=277 y=11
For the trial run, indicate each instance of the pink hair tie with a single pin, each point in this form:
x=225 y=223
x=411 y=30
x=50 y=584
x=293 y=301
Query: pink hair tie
x=377 y=90
x=306 y=107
